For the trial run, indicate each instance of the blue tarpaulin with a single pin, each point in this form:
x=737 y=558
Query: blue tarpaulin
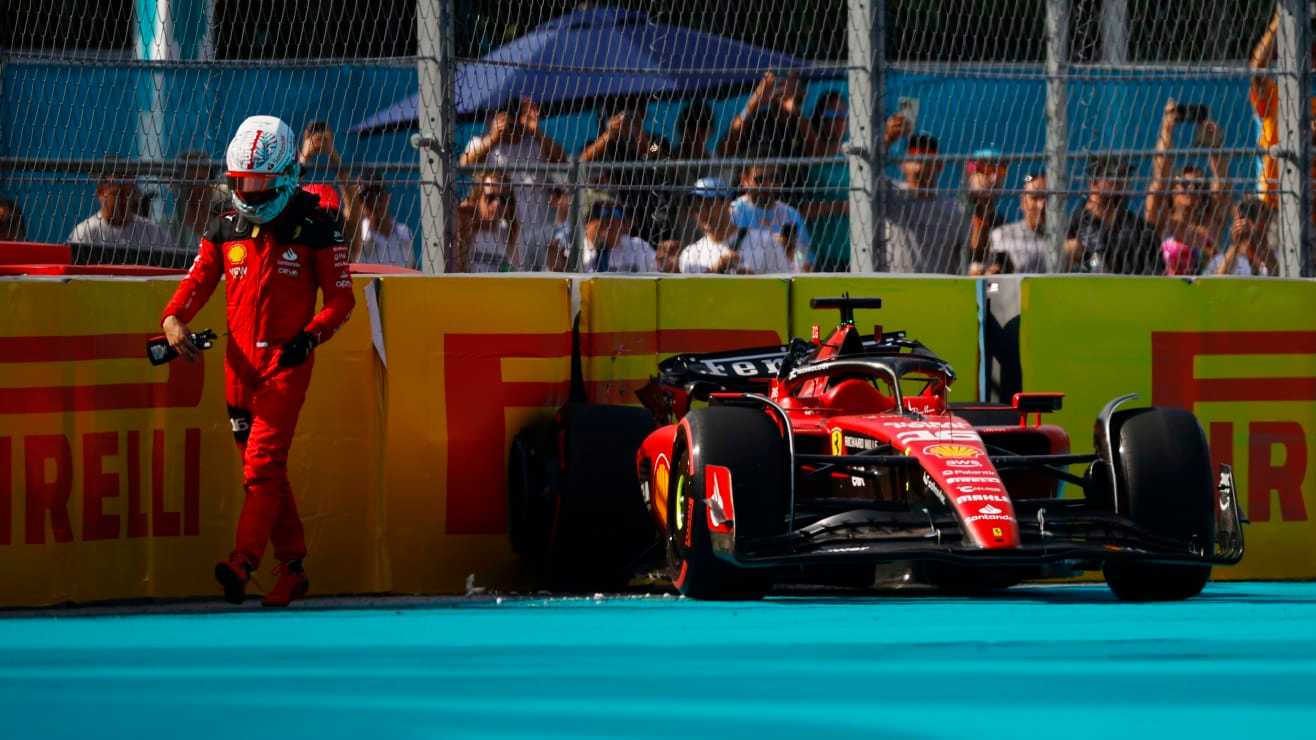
x=600 y=53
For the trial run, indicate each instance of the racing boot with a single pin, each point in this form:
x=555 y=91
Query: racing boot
x=292 y=584
x=233 y=574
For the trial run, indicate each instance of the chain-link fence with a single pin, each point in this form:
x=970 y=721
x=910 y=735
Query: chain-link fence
x=954 y=136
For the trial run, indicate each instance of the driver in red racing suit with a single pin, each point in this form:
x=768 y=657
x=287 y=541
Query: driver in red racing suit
x=277 y=249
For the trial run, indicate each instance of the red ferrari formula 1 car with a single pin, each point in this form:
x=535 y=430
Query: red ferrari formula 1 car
x=802 y=462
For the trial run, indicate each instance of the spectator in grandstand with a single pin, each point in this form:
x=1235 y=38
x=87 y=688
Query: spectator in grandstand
x=12 y=227
x=1188 y=212
x=1022 y=246
x=694 y=127
x=318 y=140
x=984 y=175
x=198 y=198
x=560 y=200
x=1249 y=252
x=487 y=226
x=1264 y=96
x=772 y=124
x=828 y=212
x=608 y=247
x=374 y=236
x=1104 y=235
x=727 y=248
x=512 y=138
x=926 y=229
x=759 y=208
x=116 y=224
x=678 y=226
x=623 y=139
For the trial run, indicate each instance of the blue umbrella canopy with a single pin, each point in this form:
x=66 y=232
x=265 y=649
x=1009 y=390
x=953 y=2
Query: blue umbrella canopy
x=599 y=53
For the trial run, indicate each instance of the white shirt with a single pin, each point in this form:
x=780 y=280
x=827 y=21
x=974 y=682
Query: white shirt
x=1242 y=267
x=488 y=249
x=137 y=233
x=386 y=249
x=747 y=215
x=630 y=255
x=1029 y=251
x=532 y=210
x=760 y=254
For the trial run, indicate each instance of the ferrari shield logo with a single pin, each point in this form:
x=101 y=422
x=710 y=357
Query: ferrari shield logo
x=838 y=442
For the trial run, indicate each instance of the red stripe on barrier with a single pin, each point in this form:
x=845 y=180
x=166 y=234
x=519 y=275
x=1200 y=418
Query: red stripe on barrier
x=477 y=398
x=182 y=388
x=670 y=341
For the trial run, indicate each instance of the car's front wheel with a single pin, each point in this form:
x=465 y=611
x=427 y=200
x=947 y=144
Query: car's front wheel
x=1164 y=469
x=748 y=446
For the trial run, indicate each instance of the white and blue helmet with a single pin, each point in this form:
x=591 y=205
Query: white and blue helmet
x=262 y=168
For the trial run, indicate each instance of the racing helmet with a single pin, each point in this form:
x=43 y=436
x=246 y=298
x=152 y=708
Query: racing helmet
x=262 y=168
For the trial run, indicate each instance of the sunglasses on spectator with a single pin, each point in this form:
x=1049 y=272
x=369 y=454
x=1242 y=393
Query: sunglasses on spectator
x=834 y=113
x=495 y=197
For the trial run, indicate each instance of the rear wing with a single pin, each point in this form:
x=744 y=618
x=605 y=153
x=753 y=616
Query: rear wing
x=741 y=369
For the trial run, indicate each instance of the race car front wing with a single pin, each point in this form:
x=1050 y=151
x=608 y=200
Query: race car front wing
x=1051 y=530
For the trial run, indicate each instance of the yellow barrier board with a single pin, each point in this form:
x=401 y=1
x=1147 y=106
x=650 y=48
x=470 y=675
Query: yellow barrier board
x=942 y=313
x=121 y=480
x=471 y=360
x=1240 y=354
x=716 y=313
x=618 y=336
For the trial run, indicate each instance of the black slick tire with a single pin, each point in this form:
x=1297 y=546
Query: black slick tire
x=600 y=527
x=749 y=444
x=1164 y=469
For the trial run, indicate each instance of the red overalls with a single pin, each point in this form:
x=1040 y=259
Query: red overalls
x=274 y=271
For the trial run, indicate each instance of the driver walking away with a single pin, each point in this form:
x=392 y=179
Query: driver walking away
x=278 y=248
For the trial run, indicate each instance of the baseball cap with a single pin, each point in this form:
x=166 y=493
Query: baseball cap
x=986 y=159
x=712 y=187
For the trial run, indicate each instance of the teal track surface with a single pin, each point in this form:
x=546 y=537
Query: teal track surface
x=1046 y=661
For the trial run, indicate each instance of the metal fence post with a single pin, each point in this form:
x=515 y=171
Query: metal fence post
x=1115 y=31
x=1291 y=64
x=1057 y=125
x=866 y=44
x=578 y=215
x=435 y=71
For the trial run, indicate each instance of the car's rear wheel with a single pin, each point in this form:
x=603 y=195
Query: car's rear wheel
x=583 y=523
x=750 y=446
x=1164 y=469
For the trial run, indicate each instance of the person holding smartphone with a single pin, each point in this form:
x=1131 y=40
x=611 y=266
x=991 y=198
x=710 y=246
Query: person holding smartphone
x=514 y=137
x=1188 y=209
x=726 y=247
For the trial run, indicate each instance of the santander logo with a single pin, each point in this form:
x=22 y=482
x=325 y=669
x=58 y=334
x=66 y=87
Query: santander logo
x=989 y=509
